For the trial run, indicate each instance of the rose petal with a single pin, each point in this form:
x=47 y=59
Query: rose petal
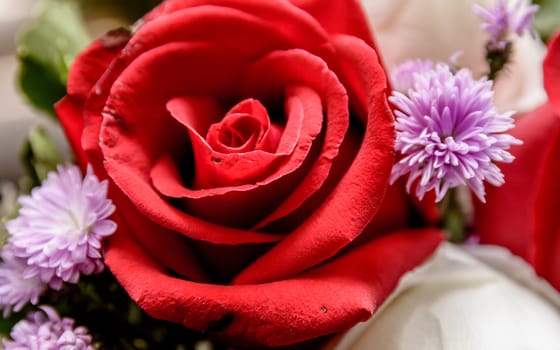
x=397 y=212
x=508 y=218
x=303 y=29
x=244 y=128
x=215 y=169
x=70 y=114
x=547 y=224
x=349 y=17
x=552 y=72
x=321 y=301
x=355 y=200
x=168 y=249
x=238 y=206
x=266 y=78
x=86 y=70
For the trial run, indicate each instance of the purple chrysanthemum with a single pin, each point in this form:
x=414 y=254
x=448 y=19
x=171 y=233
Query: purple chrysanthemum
x=501 y=20
x=45 y=330
x=450 y=133
x=402 y=76
x=15 y=290
x=60 y=227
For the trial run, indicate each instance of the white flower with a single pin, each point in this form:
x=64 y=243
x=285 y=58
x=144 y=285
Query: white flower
x=438 y=29
x=456 y=301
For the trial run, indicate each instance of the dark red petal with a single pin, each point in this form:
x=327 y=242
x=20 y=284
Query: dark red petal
x=264 y=178
x=546 y=255
x=86 y=70
x=70 y=114
x=552 y=72
x=324 y=300
x=190 y=20
x=90 y=65
x=216 y=172
x=355 y=200
x=339 y=17
x=246 y=127
x=303 y=28
x=170 y=250
x=336 y=16
x=508 y=217
x=268 y=78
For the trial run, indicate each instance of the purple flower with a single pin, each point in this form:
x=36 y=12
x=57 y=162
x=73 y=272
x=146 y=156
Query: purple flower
x=15 y=290
x=402 y=76
x=60 y=227
x=45 y=330
x=450 y=133
x=501 y=20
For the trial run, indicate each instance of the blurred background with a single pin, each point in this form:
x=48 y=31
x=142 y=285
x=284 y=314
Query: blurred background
x=17 y=116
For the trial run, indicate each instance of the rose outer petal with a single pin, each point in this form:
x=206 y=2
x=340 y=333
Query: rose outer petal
x=321 y=301
x=88 y=67
x=522 y=215
x=547 y=228
x=349 y=18
x=552 y=72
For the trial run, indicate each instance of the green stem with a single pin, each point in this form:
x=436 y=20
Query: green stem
x=454 y=222
x=497 y=59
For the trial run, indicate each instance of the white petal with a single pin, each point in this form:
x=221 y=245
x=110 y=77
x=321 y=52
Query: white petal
x=436 y=29
x=457 y=302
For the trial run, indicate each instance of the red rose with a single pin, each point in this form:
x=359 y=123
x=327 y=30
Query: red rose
x=248 y=143
x=523 y=214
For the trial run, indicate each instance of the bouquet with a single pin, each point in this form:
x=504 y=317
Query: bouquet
x=285 y=174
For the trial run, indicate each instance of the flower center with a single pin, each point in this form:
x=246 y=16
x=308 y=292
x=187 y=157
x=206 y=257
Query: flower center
x=244 y=128
x=237 y=131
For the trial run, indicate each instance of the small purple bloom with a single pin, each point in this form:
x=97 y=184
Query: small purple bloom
x=61 y=225
x=502 y=20
x=15 y=290
x=402 y=76
x=45 y=330
x=450 y=133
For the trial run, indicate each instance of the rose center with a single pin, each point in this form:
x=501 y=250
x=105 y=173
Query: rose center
x=237 y=130
x=244 y=128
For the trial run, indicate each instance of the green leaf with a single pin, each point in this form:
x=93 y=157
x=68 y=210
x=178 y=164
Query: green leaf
x=5 y=327
x=547 y=20
x=46 y=49
x=39 y=156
